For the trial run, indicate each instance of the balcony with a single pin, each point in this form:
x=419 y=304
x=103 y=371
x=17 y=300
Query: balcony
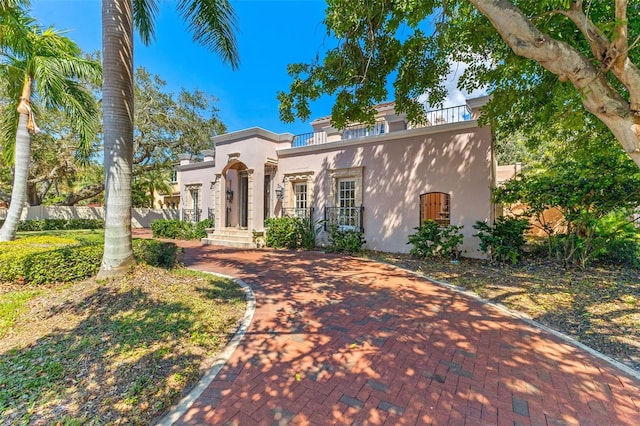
x=303 y=213
x=438 y=117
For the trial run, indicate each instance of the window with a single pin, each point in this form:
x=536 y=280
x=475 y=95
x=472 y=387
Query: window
x=174 y=176
x=435 y=206
x=347 y=203
x=362 y=130
x=298 y=195
x=300 y=199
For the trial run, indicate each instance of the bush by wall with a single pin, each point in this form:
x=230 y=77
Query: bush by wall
x=504 y=240
x=292 y=232
x=433 y=240
x=345 y=240
x=180 y=230
x=46 y=259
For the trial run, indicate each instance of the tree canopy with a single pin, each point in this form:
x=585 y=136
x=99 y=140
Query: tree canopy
x=550 y=65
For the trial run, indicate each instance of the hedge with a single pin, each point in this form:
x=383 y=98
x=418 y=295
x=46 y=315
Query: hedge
x=40 y=260
x=180 y=230
x=58 y=224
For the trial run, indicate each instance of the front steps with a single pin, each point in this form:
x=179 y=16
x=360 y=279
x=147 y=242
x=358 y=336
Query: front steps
x=230 y=237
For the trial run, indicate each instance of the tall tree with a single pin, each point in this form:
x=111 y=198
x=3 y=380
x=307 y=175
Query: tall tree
x=166 y=125
x=44 y=63
x=545 y=61
x=213 y=24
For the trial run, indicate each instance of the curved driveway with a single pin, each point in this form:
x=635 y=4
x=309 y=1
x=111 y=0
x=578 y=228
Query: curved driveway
x=339 y=340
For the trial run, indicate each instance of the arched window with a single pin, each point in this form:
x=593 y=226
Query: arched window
x=435 y=206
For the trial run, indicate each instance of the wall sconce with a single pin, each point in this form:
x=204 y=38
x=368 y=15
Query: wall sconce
x=280 y=192
x=229 y=193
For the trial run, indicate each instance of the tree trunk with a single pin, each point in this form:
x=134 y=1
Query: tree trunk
x=19 y=191
x=117 y=103
x=21 y=165
x=598 y=96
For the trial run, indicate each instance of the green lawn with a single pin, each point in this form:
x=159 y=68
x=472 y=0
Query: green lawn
x=106 y=352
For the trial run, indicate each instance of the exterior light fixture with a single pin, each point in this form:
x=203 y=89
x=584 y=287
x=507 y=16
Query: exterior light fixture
x=229 y=194
x=280 y=192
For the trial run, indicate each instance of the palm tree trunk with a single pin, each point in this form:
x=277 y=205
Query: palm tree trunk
x=22 y=156
x=21 y=174
x=117 y=101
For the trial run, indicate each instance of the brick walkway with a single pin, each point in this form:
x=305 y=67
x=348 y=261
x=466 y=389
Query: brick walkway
x=337 y=340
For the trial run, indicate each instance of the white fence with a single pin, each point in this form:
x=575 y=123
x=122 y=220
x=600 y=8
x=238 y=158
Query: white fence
x=140 y=218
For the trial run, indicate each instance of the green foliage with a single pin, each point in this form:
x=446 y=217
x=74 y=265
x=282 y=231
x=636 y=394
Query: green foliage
x=586 y=183
x=345 y=240
x=432 y=240
x=620 y=239
x=40 y=260
x=309 y=231
x=504 y=240
x=284 y=232
x=179 y=230
x=157 y=253
x=51 y=259
x=59 y=224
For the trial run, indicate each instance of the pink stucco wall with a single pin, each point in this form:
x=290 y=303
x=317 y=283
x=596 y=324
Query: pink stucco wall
x=454 y=159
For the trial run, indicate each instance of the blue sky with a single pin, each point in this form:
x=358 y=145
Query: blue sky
x=272 y=34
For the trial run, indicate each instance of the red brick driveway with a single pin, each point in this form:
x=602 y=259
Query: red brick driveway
x=338 y=340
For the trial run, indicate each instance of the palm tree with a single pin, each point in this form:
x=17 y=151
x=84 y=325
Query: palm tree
x=212 y=23
x=152 y=181
x=40 y=65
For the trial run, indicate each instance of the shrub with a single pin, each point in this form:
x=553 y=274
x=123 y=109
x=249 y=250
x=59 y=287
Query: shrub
x=46 y=259
x=432 y=240
x=284 y=232
x=157 y=253
x=58 y=224
x=179 y=230
x=309 y=232
x=504 y=240
x=345 y=240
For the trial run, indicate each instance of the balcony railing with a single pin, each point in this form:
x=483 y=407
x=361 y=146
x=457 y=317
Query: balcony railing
x=312 y=138
x=437 y=117
x=345 y=218
x=449 y=115
x=306 y=213
x=191 y=215
x=362 y=130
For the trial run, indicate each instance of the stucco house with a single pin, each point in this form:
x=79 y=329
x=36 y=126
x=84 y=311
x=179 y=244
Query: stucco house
x=383 y=179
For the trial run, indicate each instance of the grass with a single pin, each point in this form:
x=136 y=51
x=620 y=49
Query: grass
x=12 y=304
x=598 y=306
x=119 y=351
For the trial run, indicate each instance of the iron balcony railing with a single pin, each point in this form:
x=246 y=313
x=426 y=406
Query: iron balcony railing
x=345 y=218
x=436 y=117
x=449 y=115
x=191 y=215
x=312 y=138
x=306 y=213
x=363 y=130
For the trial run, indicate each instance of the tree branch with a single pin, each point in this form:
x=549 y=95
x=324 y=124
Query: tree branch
x=569 y=64
x=86 y=192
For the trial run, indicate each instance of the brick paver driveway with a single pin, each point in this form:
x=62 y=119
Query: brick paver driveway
x=338 y=340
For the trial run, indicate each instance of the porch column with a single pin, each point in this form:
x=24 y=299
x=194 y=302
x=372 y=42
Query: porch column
x=218 y=201
x=251 y=208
